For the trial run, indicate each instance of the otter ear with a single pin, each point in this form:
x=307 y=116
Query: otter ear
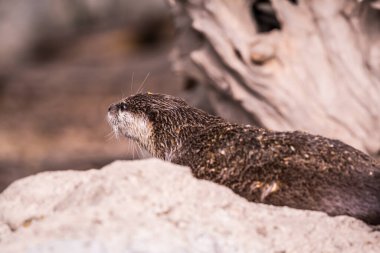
x=152 y=114
x=181 y=102
x=175 y=99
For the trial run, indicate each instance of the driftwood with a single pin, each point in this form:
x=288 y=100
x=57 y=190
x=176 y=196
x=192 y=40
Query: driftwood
x=315 y=68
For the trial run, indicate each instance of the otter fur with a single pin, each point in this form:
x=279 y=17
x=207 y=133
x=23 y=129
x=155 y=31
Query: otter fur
x=293 y=169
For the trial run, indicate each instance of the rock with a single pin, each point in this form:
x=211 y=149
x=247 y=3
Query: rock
x=154 y=206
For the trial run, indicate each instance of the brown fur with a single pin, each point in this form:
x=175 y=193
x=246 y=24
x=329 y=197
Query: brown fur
x=292 y=169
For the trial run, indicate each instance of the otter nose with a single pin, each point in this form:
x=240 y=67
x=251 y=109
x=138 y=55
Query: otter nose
x=113 y=108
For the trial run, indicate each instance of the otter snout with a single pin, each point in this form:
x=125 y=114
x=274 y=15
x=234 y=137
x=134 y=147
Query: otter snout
x=113 y=108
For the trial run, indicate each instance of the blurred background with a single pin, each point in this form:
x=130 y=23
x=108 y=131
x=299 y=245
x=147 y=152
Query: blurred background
x=62 y=63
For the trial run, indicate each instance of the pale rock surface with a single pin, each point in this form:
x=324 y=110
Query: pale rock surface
x=154 y=206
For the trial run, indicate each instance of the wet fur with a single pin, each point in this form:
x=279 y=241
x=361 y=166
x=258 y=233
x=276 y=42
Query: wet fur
x=292 y=169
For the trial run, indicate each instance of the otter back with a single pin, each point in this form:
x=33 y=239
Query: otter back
x=292 y=169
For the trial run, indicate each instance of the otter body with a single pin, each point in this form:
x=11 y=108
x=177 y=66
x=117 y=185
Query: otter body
x=292 y=169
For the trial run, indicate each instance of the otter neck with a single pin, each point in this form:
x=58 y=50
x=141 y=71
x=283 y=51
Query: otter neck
x=168 y=146
x=172 y=131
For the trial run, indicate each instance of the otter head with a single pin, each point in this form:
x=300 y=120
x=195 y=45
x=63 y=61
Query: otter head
x=159 y=123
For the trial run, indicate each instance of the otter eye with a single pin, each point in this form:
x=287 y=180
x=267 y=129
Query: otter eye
x=123 y=106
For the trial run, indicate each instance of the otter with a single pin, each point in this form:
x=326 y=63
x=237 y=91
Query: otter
x=293 y=169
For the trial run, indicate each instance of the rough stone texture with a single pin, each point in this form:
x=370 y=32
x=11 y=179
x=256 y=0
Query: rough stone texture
x=153 y=206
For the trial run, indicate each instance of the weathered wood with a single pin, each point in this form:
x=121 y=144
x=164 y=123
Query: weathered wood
x=319 y=73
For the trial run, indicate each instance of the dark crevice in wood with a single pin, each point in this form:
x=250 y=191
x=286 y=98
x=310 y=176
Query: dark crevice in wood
x=190 y=83
x=238 y=54
x=265 y=16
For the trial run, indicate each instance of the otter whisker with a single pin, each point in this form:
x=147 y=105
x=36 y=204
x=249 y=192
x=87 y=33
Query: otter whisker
x=133 y=74
x=136 y=150
x=109 y=136
x=139 y=151
x=132 y=146
x=142 y=84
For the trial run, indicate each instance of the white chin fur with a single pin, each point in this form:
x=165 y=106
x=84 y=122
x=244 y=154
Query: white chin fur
x=113 y=121
x=131 y=126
